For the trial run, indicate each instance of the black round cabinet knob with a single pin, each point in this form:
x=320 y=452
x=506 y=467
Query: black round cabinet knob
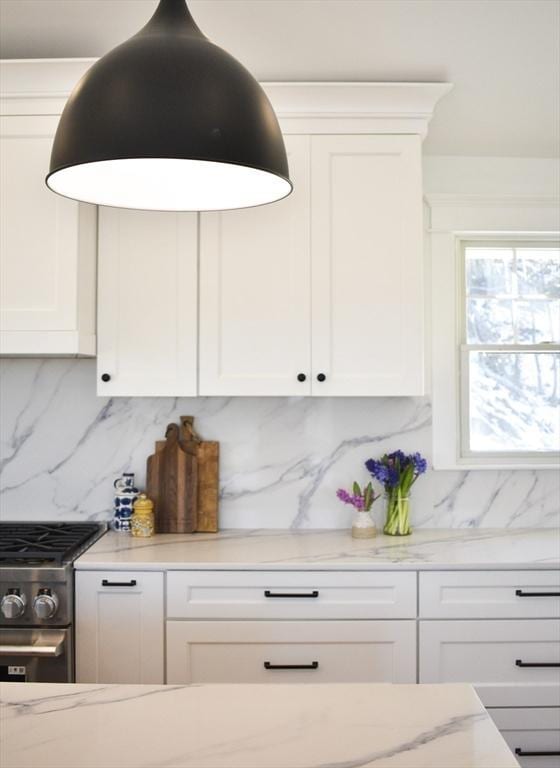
x=105 y=377
x=321 y=377
x=301 y=377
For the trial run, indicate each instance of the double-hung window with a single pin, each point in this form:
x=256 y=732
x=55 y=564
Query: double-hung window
x=510 y=350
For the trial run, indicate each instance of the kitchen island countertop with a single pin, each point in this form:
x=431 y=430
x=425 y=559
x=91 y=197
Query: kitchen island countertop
x=247 y=726
x=425 y=549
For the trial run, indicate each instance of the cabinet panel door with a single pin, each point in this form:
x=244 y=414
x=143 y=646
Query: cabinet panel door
x=290 y=595
x=530 y=730
x=321 y=651
x=255 y=293
x=486 y=654
x=490 y=594
x=147 y=303
x=119 y=629
x=367 y=265
x=40 y=270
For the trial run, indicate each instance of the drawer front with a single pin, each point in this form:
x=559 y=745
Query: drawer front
x=510 y=662
x=531 y=730
x=490 y=594
x=290 y=652
x=290 y=595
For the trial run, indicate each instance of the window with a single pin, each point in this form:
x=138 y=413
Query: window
x=510 y=352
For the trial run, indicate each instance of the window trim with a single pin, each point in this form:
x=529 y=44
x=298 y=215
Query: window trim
x=533 y=459
x=529 y=211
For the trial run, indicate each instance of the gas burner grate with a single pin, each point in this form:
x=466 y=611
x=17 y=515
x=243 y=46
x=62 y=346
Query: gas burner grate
x=44 y=542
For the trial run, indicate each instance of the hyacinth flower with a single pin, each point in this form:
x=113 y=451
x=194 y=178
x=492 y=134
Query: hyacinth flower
x=361 y=500
x=397 y=472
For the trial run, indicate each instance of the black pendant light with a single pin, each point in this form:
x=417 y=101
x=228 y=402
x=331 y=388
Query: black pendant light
x=169 y=121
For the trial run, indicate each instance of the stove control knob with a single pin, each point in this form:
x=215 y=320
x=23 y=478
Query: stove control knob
x=45 y=604
x=13 y=604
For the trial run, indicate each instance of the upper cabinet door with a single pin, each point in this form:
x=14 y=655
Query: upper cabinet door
x=366 y=214
x=147 y=303
x=47 y=264
x=255 y=293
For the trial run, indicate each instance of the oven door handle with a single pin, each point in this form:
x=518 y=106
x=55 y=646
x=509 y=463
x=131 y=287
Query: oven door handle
x=50 y=651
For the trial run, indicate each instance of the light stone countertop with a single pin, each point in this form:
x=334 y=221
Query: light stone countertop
x=247 y=726
x=425 y=549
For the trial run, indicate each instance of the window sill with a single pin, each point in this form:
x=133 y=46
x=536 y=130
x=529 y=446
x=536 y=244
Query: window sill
x=469 y=464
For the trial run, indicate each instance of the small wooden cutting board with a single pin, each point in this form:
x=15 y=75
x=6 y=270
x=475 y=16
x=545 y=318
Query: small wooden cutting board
x=172 y=484
x=208 y=460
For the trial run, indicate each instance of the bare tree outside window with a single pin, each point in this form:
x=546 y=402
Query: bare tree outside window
x=511 y=349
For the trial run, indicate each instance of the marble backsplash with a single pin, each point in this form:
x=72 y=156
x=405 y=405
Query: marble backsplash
x=282 y=459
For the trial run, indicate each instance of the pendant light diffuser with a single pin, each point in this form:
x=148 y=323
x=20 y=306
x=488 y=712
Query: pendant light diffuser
x=169 y=121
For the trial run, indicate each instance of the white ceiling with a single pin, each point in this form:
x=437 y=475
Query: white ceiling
x=502 y=55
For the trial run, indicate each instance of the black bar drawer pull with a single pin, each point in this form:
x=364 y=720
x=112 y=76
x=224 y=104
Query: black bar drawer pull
x=268 y=593
x=520 y=663
x=313 y=665
x=523 y=753
x=131 y=583
x=521 y=593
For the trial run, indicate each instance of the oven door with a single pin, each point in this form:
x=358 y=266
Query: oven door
x=36 y=655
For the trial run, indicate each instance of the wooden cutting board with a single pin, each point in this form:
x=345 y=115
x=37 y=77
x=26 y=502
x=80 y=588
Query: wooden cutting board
x=172 y=484
x=208 y=459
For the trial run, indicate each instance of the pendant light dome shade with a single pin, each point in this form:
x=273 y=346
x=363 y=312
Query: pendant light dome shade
x=169 y=121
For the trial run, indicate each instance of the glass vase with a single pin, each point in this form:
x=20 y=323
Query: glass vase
x=362 y=525
x=398 y=521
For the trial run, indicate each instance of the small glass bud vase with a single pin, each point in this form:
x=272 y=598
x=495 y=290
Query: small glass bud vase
x=362 y=525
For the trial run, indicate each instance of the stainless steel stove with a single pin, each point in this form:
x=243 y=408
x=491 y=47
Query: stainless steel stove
x=37 y=598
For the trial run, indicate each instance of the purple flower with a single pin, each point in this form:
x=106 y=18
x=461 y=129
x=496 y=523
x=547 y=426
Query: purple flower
x=344 y=496
x=358 y=503
x=356 y=500
x=397 y=470
x=420 y=464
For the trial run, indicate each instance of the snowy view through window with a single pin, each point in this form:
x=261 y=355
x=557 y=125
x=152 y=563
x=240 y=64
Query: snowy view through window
x=512 y=308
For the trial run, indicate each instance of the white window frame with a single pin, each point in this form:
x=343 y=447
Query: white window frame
x=452 y=219
x=526 y=457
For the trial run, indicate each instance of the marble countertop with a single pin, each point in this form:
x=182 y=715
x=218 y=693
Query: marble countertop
x=425 y=549
x=247 y=726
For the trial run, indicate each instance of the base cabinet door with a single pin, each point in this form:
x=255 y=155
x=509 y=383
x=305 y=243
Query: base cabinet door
x=533 y=734
x=291 y=652
x=119 y=627
x=511 y=663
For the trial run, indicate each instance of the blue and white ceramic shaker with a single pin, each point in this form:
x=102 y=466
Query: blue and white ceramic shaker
x=125 y=496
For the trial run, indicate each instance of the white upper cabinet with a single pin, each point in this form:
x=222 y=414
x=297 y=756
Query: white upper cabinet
x=47 y=249
x=147 y=303
x=255 y=293
x=367 y=265
x=322 y=293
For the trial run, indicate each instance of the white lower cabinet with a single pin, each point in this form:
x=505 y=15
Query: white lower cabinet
x=290 y=595
x=511 y=663
x=532 y=733
x=119 y=627
x=291 y=651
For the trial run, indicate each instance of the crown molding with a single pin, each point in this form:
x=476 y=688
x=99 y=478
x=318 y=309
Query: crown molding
x=42 y=86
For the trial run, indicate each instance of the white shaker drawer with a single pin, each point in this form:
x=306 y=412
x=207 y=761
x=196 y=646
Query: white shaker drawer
x=290 y=595
x=291 y=652
x=511 y=663
x=490 y=594
x=532 y=734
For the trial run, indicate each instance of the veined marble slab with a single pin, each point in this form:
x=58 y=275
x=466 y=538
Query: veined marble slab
x=281 y=458
x=324 y=549
x=248 y=726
